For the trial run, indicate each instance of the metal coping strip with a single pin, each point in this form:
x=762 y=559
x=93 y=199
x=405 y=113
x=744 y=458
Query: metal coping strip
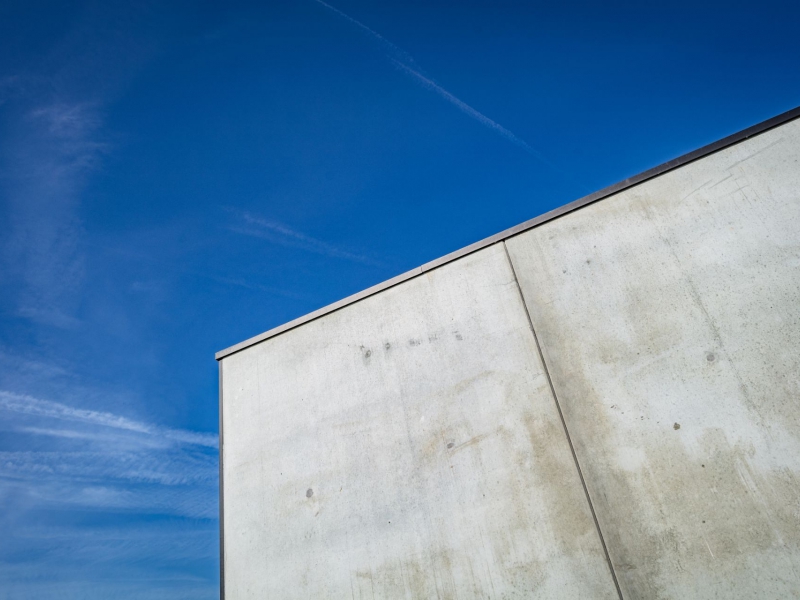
x=530 y=224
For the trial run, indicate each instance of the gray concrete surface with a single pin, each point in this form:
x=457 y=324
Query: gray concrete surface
x=669 y=317
x=406 y=446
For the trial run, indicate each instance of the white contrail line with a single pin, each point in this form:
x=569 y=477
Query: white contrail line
x=396 y=50
x=465 y=108
x=478 y=116
x=402 y=59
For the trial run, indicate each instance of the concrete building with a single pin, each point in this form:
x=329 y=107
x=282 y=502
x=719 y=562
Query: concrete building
x=603 y=402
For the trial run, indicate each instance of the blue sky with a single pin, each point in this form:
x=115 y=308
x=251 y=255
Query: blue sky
x=178 y=176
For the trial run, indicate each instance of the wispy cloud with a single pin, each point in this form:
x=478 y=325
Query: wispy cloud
x=279 y=233
x=56 y=146
x=101 y=469
x=71 y=434
x=101 y=460
x=404 y=61
x=72 y=463
x=110 y=546
x=29 y=405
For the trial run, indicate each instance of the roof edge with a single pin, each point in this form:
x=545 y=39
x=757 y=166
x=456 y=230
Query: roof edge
x=630 y=182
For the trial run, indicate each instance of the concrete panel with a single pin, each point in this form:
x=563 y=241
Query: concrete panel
x=406 y=446
x=669 y=317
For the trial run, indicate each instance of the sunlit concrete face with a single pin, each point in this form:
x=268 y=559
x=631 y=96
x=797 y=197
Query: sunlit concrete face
x=409 y=445
x=669 y=317
x=406 y=446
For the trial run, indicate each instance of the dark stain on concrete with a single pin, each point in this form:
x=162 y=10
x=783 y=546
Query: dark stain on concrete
x=366 y=353
x=470 y=442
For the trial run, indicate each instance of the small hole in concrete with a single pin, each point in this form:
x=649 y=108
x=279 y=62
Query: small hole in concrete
x=450 y=444
x=676 y=426
x=710 y=357
x=309 y=493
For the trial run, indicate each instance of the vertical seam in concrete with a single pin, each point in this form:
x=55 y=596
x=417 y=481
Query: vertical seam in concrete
x=563 y=422
x=221 y=499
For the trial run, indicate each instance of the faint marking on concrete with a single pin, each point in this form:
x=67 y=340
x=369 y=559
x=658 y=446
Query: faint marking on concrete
x=564 y=424
x=754 y=154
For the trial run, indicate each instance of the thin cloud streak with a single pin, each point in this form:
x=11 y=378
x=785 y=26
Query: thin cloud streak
x=105 y=466
x=480 y=117
x=403 y=60
x=40 y=483
x=71 y=434
x=396 y=50
x=465 y=108
x=103 y=461
x=284 y=235
x=22 y=403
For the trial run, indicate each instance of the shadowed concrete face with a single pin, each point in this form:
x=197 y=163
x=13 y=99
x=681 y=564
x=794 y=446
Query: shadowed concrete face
x=407 y=446
x=669 y=317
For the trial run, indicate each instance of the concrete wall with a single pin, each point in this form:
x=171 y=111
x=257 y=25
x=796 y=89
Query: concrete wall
x=407 y=446
x=669 y=318
x=411 y=445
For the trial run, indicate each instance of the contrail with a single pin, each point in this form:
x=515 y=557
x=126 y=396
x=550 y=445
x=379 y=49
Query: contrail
x=464 y=107
x=397 y=51
x=480 y=117
x=402 y=59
